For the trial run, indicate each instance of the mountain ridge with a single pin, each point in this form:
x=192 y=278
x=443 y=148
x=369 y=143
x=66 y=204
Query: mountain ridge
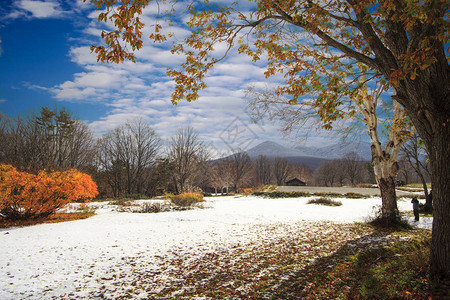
x=334 y=151
x=310 y=156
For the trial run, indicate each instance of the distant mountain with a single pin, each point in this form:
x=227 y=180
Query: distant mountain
x=310 y=156
x=272 y=149
x=293 y=155
x=337 y=150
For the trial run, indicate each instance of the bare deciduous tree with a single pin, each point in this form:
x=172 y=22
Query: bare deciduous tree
x=280 y=170
x=384 y=161
x=224 y=175
x=414 y=149
x=145 y=148
x=3 y=137
x=240 y=165
x=110 y=169
x=353 y=166
x=187 y=153
x=341 y=175
x=127 y=154
x=263 y=170
x=203 y=176
x=327 y=173
x=302 y=172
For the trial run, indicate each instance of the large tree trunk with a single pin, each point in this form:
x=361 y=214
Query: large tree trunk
x=428 y=202
x=384 y=161
x=389 y=210
x=440 y=170
x=386 y=169
x=426 y=100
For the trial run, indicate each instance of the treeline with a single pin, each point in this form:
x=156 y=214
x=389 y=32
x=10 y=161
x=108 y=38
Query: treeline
x=351 y=169
x=239 y=171
x=125 y=161
x=133 y=160
x=46 y=140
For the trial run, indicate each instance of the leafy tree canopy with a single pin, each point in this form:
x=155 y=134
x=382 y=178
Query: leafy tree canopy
x=314 y=44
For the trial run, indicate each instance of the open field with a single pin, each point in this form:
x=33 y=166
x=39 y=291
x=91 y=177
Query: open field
x=339 y=190
x=165 y=255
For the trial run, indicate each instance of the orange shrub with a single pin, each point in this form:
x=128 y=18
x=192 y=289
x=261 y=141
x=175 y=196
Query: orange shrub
x=247 y=191
x=24 y=195
x=185 y=199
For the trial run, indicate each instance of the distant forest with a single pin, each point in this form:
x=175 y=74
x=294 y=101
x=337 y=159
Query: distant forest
x=132 y=160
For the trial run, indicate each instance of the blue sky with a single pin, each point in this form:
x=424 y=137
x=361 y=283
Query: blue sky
x=45 y=61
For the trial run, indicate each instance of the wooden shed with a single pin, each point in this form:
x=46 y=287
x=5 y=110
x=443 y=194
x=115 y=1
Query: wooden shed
x=295 y=182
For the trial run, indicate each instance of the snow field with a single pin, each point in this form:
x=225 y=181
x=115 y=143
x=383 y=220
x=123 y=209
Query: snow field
x=93 y=257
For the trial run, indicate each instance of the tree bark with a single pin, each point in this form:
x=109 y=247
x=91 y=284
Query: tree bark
x=384 y=161
x=389 y=210
x=386 y=169
x=428 y=105
x=429 y=203
x=440 y=169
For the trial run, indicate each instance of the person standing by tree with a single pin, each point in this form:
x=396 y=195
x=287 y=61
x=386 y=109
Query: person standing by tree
x=415 y=204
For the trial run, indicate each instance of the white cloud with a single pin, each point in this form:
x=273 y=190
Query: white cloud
x=81 y=5
x=40 y=9
x=98 y=79
x=142 y=89
x=35 y=87
x=69 y=92
x=105 y=124
x=157 y=103
x=82 y=55
x=126 y=109
x=263 y=85
x=2 y=100
x=99 y=83
x=14 y=14
x=159 y=56
x=93 y=31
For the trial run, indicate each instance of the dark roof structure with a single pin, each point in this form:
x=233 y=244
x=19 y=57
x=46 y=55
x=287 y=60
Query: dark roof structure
x=295 y=182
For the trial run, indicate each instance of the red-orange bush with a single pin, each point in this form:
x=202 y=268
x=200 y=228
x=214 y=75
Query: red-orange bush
x=246 y=191
x=25 y=196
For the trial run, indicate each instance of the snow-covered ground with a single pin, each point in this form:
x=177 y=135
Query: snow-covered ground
x=79 y=258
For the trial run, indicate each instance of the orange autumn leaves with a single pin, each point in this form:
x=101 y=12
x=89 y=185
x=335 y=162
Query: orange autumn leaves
x=24 y=195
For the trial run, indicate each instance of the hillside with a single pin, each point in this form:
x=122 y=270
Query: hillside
x=310 y=156
x=272 y=149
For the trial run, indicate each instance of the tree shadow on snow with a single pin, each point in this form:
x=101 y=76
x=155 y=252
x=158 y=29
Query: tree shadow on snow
x=357 y=270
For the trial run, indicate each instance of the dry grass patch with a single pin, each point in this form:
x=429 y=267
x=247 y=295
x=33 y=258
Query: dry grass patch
x=324 y=201
x=185 y=199
x=54 y=218
x=352 y=195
